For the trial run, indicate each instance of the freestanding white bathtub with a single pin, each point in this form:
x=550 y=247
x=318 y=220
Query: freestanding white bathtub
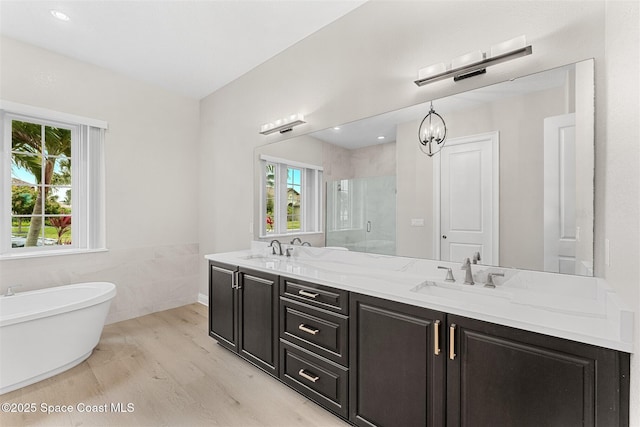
x=48 y=331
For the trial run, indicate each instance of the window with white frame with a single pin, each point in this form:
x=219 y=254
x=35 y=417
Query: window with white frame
x=292 y=197
x=52 y=187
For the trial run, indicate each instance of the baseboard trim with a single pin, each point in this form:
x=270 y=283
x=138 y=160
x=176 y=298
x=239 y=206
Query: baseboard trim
x=203 y=299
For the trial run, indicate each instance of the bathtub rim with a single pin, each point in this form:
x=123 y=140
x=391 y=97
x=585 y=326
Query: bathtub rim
x=105 y=292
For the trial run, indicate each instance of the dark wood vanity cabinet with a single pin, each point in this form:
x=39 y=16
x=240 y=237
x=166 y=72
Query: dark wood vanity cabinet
x=381 y=363
x=397 y=365
x=243 y=313
x=501 y=376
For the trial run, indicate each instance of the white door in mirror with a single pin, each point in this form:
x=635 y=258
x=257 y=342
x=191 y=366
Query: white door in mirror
x=468 y=187
x=560 y=194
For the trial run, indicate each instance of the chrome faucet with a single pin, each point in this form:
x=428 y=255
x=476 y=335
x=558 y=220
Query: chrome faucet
x=468 y=275
x=273 y=248
x=449 y=277
x=10 y=292
x=293 y=242
x=490 y=277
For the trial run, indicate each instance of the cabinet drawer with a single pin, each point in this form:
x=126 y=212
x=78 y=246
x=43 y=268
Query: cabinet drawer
x=316 y=330
x=317 y=295
x=320 y=380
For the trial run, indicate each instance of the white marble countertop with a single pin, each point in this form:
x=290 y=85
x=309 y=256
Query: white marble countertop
x=583 y=309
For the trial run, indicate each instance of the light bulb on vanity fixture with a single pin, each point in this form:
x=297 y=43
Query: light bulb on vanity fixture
x=432 y=133
x=475 y=63
x=283 y=125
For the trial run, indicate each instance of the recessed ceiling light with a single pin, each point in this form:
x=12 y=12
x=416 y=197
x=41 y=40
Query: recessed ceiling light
x=381 y=137
x=336 y=128
x=59 y=15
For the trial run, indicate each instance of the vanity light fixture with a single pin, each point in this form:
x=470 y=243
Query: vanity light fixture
x=475 y=63
x=432 y=133
x=59 y=15
x=282 y=125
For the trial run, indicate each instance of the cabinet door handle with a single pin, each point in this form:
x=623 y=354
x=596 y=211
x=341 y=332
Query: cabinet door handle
x=306 y=376
x=305 y=328
x=452 y=340
x=236 y=279
x=436 y=337
x=308 y=294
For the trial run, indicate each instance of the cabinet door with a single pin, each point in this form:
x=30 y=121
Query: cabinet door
x=500 y=376
x=258 y=319
x=396 y=377
x=223 y=305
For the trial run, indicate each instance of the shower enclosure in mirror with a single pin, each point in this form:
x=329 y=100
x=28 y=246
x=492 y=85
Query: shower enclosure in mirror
x=361 y=214
x=529 y=191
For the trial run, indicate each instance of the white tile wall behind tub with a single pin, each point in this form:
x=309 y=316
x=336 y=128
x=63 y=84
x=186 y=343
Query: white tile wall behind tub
x=147 y=279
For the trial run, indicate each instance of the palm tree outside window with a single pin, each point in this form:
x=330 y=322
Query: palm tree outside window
x=52 y=191
x=41 y=173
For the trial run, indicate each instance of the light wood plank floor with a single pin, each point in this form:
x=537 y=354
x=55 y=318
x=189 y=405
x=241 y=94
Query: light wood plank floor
x=173 y=374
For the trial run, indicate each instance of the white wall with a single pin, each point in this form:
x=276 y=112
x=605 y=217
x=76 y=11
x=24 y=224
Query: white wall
x=151 y=182
x=415 y=196
x=617 y=167
x=365 y=64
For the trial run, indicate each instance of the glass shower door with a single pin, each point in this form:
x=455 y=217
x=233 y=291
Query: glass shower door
x=361 y=214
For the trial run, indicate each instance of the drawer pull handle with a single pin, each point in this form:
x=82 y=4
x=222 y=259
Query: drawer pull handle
x=452 y=339
x=436 y=337
x=307 y=294
x=305 y=328
x=306 y=376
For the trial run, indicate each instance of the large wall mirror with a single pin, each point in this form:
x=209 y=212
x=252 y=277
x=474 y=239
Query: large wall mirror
x=513 y=182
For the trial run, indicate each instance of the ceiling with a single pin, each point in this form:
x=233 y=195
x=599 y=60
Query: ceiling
x=192 y=47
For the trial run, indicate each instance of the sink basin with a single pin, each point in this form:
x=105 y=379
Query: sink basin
x=266 y=261
x=475 y=294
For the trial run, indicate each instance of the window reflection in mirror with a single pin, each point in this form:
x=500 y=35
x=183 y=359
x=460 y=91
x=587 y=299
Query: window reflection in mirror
x=291 y=200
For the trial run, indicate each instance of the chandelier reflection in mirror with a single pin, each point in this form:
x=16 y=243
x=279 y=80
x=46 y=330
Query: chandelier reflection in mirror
x=432 y=133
